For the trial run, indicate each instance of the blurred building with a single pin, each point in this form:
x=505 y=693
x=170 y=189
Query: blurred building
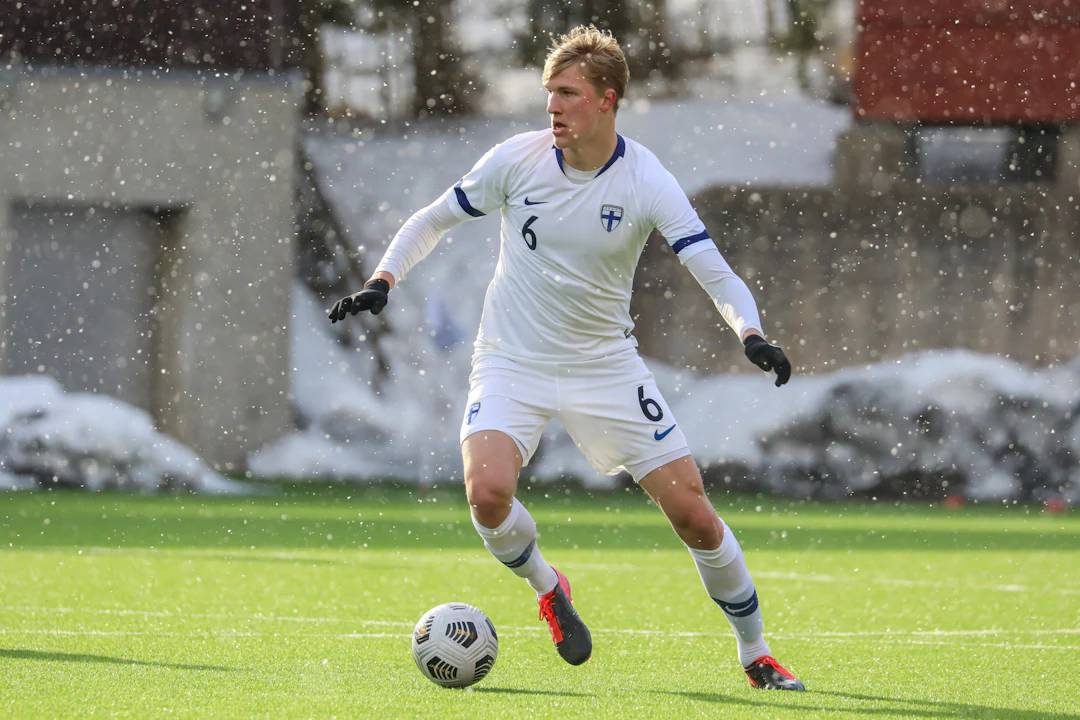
x=899 y=255
x=147 y=210
x=965 y=63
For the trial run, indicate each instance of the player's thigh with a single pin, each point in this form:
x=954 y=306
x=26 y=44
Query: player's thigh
x=493 y=456
x=500 y=431
x=492 y=462
x=618 y=416
x=510 y=397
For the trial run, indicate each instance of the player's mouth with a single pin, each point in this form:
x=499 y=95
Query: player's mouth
x=558 y=129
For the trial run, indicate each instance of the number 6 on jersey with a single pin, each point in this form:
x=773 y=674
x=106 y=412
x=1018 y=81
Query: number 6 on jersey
x=529 y=235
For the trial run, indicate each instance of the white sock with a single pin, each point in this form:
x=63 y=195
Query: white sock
x=514 y=545
x=726 y=579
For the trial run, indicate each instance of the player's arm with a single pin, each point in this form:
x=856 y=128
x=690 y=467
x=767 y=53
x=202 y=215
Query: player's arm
x=729 y=293
x=477 y=194
x=413 y=242
x=736 y=305
x=677 y=221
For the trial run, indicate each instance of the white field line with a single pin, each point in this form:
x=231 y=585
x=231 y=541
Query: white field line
x=1005 y=587
x=812 y=577
x=406 y=636
x=224 y=634
x=1009 y=646
x=762 y=574
x=184 y=615
x=835 y=635
x=389 y=623
x=357 y=555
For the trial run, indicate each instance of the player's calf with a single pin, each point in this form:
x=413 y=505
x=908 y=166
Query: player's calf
x=513 y=543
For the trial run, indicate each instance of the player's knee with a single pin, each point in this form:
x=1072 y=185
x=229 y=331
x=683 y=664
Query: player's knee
x=487 y=500
x=490 y=496
x=700 y=528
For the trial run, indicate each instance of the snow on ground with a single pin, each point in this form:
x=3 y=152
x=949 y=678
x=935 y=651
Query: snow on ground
x=91 y=441
x=985 y=425
x=982 y=425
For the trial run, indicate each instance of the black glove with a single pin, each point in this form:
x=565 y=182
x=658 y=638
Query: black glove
x=373 y=297
x=768 y=357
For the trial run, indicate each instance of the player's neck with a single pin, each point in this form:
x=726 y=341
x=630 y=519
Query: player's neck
x=595 y=154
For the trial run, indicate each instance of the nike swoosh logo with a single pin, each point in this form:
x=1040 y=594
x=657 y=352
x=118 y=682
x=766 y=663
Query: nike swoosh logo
x=661 y=435
x=537 y=202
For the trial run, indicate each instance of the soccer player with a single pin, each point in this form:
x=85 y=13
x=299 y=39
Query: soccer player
x=577 y=203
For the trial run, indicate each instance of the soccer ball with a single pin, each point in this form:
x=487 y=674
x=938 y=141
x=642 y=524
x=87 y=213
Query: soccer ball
x=454 y=645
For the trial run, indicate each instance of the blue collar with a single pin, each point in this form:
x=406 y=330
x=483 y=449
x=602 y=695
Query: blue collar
x=620 y=150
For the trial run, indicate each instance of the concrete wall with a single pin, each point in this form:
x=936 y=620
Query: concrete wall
x=211 y=160
x=857 y=276
x=93 y=266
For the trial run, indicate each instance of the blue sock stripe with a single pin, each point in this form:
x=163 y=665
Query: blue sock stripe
x=741 y=609
x=523 y=558
x=740 y=605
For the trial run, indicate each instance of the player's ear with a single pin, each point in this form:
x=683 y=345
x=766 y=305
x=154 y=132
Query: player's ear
x=609 y=100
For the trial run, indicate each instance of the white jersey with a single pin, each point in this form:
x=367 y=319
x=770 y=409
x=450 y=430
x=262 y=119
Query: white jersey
x=569 y=248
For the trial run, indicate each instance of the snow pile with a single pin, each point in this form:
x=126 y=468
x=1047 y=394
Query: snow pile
x=358 y=425
x=932 y=424
x=91 y=441
x=929 y=424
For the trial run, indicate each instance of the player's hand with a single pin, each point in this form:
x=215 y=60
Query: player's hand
x=373 y=297
x=768 y=357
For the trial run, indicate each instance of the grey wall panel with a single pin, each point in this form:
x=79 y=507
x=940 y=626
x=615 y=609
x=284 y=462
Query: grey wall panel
x=847 y=278
x=81 y=293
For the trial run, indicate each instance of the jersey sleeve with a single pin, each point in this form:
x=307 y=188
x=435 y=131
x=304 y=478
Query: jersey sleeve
x=483 y=189
x=672 y=214
x=418 y=237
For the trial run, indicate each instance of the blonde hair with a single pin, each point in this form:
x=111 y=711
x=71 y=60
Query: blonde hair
x=602 y=61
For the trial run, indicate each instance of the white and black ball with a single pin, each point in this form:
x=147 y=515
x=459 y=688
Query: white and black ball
x=455 y=645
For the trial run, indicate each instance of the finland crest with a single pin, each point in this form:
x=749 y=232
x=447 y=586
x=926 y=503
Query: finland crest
x=610 y=216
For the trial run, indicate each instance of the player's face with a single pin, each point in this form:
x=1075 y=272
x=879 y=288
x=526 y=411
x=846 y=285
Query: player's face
x=575 y=107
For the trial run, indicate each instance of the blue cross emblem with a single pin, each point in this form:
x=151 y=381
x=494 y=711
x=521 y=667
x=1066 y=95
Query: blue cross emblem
x=610 y=215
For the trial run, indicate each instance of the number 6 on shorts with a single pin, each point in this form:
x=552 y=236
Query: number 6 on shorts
x=645 y=402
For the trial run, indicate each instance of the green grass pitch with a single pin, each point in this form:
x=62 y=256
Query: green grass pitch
x=300 y=604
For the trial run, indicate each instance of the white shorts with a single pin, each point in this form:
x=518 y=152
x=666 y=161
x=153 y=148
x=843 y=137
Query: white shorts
x=610 y=406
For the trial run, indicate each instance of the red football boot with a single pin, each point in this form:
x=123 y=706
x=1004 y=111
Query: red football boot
x=767 y=674
x=572 y=638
